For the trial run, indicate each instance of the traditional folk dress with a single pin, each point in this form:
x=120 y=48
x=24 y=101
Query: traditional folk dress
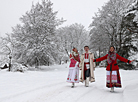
x=73 y=75
x=113 y=76
x=87 y=67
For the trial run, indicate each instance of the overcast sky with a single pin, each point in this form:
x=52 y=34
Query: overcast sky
x=74 y=11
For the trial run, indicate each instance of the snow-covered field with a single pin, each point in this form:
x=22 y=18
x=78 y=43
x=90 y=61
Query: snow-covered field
x=50 y=85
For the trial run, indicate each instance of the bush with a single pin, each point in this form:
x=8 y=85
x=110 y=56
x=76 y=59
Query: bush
x=18 y=67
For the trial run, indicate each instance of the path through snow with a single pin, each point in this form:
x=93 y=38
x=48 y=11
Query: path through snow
x=50 y=85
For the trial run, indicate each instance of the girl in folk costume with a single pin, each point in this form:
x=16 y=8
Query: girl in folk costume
x=73 y=75
x=113 y=76
x=87 y=67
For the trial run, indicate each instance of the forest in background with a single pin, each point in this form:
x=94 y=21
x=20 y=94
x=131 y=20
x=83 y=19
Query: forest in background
x=40 y=39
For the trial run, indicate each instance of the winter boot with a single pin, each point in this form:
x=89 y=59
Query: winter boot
x=72 y=85
x=87 y=82
x=112 y=89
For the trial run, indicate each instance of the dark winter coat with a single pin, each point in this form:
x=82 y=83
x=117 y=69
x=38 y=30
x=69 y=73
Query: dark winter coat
x=113 y=66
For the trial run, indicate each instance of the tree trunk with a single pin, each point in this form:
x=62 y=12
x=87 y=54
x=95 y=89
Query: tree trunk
x=9 y=67
x=48 y=63
x=120 y=41
x=99 y=52
x=60 y=62
x=99 y=55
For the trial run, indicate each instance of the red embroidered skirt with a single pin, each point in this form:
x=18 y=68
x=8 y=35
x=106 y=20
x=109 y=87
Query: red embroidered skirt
x=113 y=79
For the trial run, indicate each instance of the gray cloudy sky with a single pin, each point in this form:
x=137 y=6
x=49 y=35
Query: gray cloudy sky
x=74 y=11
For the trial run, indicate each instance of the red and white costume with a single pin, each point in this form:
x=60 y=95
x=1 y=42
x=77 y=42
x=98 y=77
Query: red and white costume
x=73 y=75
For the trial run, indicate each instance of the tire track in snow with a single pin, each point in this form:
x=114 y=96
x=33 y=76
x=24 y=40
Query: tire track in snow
x=29 y=91
x=51 y=94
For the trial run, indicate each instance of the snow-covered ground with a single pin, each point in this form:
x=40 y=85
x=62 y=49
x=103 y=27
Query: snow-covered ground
x=50 y=85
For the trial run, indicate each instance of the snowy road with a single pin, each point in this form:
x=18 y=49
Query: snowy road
x=50 y=86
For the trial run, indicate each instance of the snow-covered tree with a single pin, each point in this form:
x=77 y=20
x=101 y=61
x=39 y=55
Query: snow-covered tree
x=109 y=22
x=113 y=26
x=71 y=36
x=7 y=50
x=35 y=37
x=133 y=9
x=98 y=41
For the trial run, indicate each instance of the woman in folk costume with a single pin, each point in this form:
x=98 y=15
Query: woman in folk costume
x=87 y=67
x=73 y=75
x=113 y=76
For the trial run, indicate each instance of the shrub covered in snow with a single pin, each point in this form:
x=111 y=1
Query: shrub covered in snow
x=18 y=67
